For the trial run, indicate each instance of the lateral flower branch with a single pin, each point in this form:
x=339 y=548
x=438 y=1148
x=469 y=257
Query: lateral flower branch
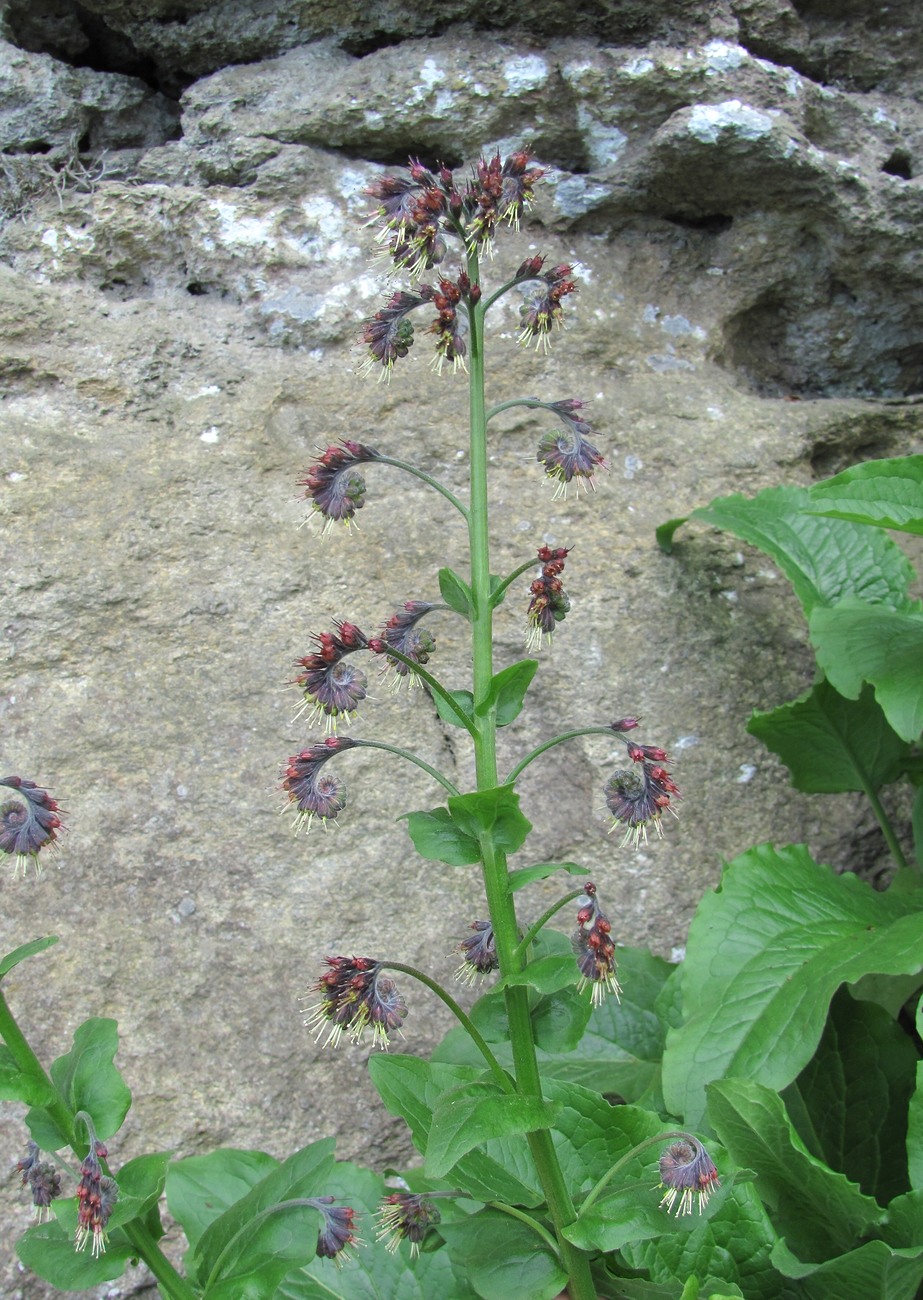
x=434 y=230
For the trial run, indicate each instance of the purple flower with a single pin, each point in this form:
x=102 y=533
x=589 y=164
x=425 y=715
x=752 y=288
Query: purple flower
x=356 y=995
x=405 y=1216
x=638 y=796
x=480 y=953
x=333 y=689
x=569 y=455
x=313 y=792
x=96 y=1197
x=334 y=486
x=594 y=949
x=550 y=602
x=542 y=311
x=389 y=334
x=411 y=210
x=449 y=329
x=688 y=1173
x=498 y=191
x=42 y=1180
x=337 y=1231
x=29 y=824
x=402 y=634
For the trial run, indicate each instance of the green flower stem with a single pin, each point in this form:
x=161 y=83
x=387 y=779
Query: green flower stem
x=426 y=478
x=411 y=758
x=505 y=288
x=527 y=1219
x=496 y=878
x=556 y=740
x=473 y=1033
x=887 y=829
x=435 y=686
x=500 y=591
x=673 y=1134
x=544 y=919
x=174 y=1286
x=516 y=401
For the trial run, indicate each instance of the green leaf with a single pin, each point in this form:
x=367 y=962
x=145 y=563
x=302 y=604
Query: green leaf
x=766 y=952
x=16 y=1085
x=373 y=1272
x=26 y=950
x=620 y=1050
x=541 y=871
x=476 y=1113
x=733 y=1247
x=201 y=1188
x=825 y=559
x=857 y=643
x=86 y=1079
x=546 y=974
x=872 y=1269
x=831 y=744
x=915 y=1121
x=261 y=1237
x=508 y=691
x=459 y=714
x=820 y=1213
x=849 y=1103
x=141 y=1183
x=456 y=593
x=666 y=532
x=505 y=1258
x=48 y=1250
x=411 y=1088
x=888 y=493
x=559 y=1019
x=437 y=838
x=492 y=812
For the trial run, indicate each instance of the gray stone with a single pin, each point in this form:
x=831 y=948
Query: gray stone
x=177 y=341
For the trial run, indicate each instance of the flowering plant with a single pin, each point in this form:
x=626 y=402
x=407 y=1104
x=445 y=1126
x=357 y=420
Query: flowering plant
x=542 y=1114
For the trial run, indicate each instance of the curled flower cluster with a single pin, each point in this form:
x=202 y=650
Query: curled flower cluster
x=480 y=953
x=313 y=792
x=688 y=1173
x=405 y=1216
x=337 y=1230
x=28 y=824
x=96 y=1197
x=334 y=485
x=332 y=687
x=542 y=310
x=569 y=455
x=389 y=334
x=550 y=602
x=594 y=949
x=43 y=1182
x=448 y=327
x=638 y=796
x=356 y=995
x=402 y=634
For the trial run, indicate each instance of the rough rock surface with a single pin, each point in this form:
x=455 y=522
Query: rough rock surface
x=740 y=189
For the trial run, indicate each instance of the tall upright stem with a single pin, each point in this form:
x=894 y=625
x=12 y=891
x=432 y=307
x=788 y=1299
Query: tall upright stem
x=496 y=877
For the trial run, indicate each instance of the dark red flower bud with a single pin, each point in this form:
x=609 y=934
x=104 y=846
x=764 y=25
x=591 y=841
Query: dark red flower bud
x=337 y=1231
x=96 y=1198
x=480 y=953
x=314 y=793
x=594 y=949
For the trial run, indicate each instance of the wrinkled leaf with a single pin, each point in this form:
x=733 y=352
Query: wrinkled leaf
x=888 y=493
x=831 y=744
x=504 y=1257
x=494 y=812
x=475 y=1113
x=437 y=838
x=201 y=1188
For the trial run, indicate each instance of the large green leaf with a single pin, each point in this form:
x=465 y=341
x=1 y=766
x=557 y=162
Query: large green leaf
x=201 y=1188
x=831 y=744
x=820 y=1213
x=873 y=1269
x=494 y=812
x=372 y=1271
x=766 y=952
x=508 y=691
x=265 y=1234
x=86 y=1079
x=141 y=1183
x=476 y=1113
x=888 y=493
x=505 y=1259
x=915 y=1122
x=15 y=1085
x=849 y=1103
x=825 y=559
x=48 y=1250
x=857 y=643
x=733 y=1247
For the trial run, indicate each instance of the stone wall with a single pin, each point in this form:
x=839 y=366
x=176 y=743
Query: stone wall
x=183 y=273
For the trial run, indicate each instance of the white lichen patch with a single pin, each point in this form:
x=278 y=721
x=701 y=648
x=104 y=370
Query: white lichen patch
x=525 y=72
x=719 y=56
x=707 y=121
x=576 y=196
